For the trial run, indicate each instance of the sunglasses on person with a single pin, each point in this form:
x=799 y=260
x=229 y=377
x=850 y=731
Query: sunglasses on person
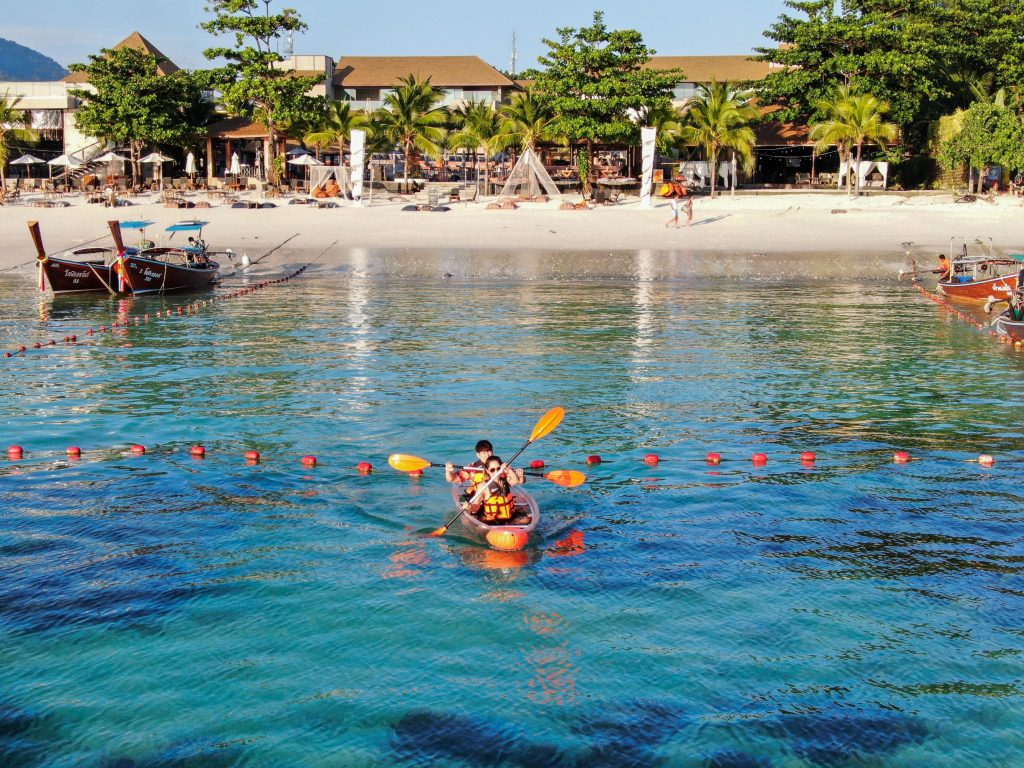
x=493 y=469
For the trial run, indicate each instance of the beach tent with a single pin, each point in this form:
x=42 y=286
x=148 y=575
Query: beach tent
x=865 y=170
x=529 y=179
x=319 y=175
x=693 y=170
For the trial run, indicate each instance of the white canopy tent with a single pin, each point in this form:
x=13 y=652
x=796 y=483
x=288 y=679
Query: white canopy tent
x=866 y=168
x=529 y=179
x=306 y=160
x=319 y=175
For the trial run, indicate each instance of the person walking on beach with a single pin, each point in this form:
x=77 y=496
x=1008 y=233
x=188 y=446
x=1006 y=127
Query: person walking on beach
x=674 y=205
x=688 y=202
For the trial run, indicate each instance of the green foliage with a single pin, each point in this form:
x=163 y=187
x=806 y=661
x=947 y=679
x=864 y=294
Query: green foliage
x=477 y=125
x=411 y=119
x=249 y=83
x=13 y=125
x=851 y=120
x=594 y=81
x=718 y=118
x=988 y=134
x=922 y=57
x=334 y=125
x=134 y=104
x=525 y=121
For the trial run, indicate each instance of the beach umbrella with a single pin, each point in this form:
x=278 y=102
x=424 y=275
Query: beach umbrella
x=306 y=160
x=110 y=157
x=66 y=160
x=296 y=151
x=29 y=160
x=190 y=164
x=155 y=158
x=236 y=167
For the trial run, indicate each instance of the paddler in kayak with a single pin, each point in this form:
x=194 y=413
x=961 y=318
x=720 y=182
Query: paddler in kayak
x=496 y=504
x=474 y=472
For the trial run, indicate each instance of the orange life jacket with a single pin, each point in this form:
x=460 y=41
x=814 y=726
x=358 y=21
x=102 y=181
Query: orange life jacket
x=498 y=508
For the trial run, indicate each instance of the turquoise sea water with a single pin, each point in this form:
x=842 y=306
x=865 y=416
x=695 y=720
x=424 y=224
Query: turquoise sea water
x=160 y=610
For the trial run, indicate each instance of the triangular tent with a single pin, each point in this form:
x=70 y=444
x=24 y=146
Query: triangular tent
x=529 y=179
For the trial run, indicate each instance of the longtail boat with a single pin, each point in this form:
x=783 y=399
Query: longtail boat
x=980 y=276
x=79 y=271
x=1011 y=322
x=161 y=269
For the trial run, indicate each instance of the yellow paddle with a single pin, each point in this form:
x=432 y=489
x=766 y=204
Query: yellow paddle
x=569 y=478
x=547 y=422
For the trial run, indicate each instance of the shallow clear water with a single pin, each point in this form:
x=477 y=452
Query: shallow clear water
x=160 y=610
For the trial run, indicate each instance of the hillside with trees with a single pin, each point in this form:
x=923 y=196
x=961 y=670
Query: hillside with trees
x=19 y=63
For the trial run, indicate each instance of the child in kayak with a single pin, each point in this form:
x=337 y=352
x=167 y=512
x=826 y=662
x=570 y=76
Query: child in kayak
x=495 y=504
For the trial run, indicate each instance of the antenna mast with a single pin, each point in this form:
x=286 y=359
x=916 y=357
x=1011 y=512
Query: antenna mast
x=514 y=57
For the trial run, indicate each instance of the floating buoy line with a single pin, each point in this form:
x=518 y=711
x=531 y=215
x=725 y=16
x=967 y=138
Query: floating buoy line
x=963 y=316
x=18 y=456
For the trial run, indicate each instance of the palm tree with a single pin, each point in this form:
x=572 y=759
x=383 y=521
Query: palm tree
x=479 y=125
x=336 y=126
x=719 y=118
x=524 y=122
x=11 y=121
x=667 y=120
x=831 y=129
x=856 y=119
x=411 y=119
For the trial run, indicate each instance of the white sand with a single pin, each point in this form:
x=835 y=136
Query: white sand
x=812 y=234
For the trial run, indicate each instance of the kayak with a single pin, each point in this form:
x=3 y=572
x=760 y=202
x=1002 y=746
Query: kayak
x=507 y=538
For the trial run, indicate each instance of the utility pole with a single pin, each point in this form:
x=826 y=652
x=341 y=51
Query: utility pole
x=514 y=57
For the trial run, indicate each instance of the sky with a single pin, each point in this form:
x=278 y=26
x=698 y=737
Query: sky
x=69 y=30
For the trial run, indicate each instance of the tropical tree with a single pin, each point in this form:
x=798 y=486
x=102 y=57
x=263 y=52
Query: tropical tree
x=525 y=121
x=982 y=134
x=858 y=118
x=335 y=126
x=667 y=120
x=478 y=125
x=250 y=84
x=829 y=129
x=718 y=118
x=14 y=124
x=411 y=119
x=594 y=81
x=131 y=102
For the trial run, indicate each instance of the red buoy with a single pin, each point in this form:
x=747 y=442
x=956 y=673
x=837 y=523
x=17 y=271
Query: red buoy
x=416 y=473
x=7 y=354
x=309 y=461
x=37 y=345
x=807 y=457
x=901 y=457
x=198 y=451
x=74 y=450
x=759 y=458
x=138 y=448
x=365 y=467
x=985 y=460
x=593 y=459
x=713 y=458
x=537 y=464
x=21 y=348
x=652 y=459
x=253 y=456
x=14 y=452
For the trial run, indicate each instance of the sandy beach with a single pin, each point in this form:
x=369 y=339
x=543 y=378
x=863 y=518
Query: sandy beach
x=771 y=235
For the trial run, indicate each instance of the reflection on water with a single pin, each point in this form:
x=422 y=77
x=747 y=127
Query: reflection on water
x=851 y=612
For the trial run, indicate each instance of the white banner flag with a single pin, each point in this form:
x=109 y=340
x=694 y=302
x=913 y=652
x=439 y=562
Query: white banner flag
x=358 y=164
x=648 y=136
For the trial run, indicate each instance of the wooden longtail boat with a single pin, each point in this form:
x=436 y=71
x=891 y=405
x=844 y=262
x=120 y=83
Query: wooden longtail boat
x=507 y=538
x=80 y=271
x=163 y=269
x=978 y=277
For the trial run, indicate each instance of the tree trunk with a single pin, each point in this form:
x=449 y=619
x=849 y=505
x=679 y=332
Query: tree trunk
x=849 y=172
x=859 y=151
x=713 y=157
x=407 y=152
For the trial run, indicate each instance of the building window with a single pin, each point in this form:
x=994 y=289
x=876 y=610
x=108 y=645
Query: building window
x=684 y=91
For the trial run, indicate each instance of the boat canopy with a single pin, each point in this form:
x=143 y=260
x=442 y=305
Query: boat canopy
x=187 y=226
x=136 y=224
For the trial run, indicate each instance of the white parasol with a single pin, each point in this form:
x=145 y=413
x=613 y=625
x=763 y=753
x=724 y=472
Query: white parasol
x=155 y=158
x=236 y=167
x=190 y=164
x=27 y=159
x=69 y=161
x=306 y=160
x=110 y=157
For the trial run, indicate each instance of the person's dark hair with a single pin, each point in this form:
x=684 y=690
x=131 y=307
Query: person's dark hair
x=491 y=460
x=484 y=445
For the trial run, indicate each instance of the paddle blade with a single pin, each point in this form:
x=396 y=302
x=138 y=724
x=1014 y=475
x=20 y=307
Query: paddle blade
x=439 y=532
x=548 y=422
x=403 y=462
x=568 y=478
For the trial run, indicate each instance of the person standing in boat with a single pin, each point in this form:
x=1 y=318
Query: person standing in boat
x=945 y=270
